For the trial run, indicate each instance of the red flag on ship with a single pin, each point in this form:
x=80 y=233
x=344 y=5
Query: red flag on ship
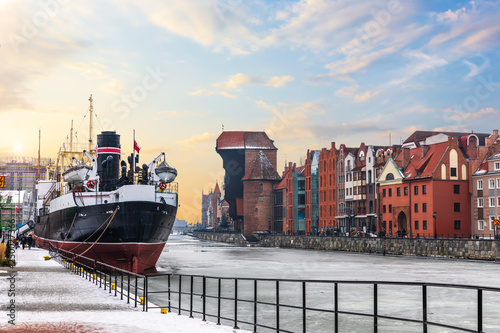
x=136 y=147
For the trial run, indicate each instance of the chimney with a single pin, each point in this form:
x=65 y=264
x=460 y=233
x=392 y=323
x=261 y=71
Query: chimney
x=425 y=149
x=406 y=157
x=333 y=145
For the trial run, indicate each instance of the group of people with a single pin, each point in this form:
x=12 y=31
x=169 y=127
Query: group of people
x=25 y=241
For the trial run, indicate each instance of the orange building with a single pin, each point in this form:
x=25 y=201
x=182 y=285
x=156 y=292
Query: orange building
x=327 y=188
x=424 y=192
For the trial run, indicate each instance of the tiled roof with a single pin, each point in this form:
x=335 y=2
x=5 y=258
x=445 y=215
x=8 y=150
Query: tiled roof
x=420 y=135
x=261 y=168
x=244 y=140
x=424 y=168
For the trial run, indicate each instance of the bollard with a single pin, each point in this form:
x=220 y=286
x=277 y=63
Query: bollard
x=143 y=300
x=163 y=310
x=113 y=286
x=46 y=257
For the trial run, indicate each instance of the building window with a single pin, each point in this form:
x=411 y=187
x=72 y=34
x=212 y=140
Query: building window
x=398 y=191
x=424 y=189
x=261 y=187
x=415 y=190
x=390 y=208
x=416 y=208
x=498 y=182
x=492 y=201
x=424 y=224
x=406 y=190
x=384 y=209
x=480 y=202
x=480 y=225
x=457 y=224
x=479 y=184
x=492 y=222
x=261 y=199
x=456 y=206
x=424 y=207
x=497 y=165
x=492 y=183
x=390 y=192
x=383 y=192
x=453 y=172
x=416 y=225
x=498 y=201
x=456 y=189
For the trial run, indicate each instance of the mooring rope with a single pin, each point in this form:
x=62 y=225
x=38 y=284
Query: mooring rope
x=110 y=219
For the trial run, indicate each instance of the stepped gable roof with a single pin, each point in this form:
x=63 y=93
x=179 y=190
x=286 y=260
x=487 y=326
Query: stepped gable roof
x=421 y=135
x=261 y=168
x=282 y=184
x=424 y=167
x=244 y=140
x=484 y=167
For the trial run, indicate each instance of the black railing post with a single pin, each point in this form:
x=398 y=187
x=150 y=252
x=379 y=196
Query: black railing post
x=110 y=279
x=180 y=293
x=479 y=310
x=135 y=292
x=255 y=306
x=336 y=306
x=236 y=305
x=128 y=288
x=375 y=307
x=168 y=293
x=145 y=294
x=277 y=305
x=121 y=285
x=424 y=308
x=191 y=299
x=116 y=282
x=204 y=296
x=304 y=324
x=218 y=302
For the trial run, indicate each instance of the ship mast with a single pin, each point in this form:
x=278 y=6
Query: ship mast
x=91 y=110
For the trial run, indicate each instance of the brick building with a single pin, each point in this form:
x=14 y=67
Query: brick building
x=249 y=160
x=424 y=192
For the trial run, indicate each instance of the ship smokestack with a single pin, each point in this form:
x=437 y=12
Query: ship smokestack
x=108 y=159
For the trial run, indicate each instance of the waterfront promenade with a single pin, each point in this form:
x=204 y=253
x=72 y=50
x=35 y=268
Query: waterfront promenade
x=42 y=296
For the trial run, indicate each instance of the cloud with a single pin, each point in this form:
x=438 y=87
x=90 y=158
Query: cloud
x=352 y=92
x=421 y=62
x=461 y=116
x=277 y=81
x=90 y=71
x=237 y=80
x=474 y=69
x=198 y=142
x=468 y=29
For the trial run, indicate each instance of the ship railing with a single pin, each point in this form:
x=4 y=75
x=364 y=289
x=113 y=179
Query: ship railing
x=284 y=305
x=127 y=285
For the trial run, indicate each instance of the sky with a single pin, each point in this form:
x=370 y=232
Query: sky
x=306 y=72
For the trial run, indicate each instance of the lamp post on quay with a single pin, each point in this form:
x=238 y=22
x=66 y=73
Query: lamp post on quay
x=435 y=230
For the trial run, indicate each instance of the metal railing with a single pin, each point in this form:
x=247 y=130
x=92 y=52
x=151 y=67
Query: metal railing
x=122 y=283
x=327 y=305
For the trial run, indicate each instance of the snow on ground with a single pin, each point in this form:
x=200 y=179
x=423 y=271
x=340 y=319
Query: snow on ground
x=50 y=298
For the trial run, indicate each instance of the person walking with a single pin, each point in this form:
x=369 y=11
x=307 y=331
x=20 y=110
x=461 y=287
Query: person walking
x=23 y=241
x=29 y=240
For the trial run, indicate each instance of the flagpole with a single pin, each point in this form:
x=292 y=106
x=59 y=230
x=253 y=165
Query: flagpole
x=133 y=160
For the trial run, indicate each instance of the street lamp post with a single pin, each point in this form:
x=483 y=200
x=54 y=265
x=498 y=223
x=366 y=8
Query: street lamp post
x=435 y=230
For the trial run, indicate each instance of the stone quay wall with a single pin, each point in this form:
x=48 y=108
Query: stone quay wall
x=444 y=248
x=221 y=237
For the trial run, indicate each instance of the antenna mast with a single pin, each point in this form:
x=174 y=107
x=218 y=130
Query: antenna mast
x=91 y=110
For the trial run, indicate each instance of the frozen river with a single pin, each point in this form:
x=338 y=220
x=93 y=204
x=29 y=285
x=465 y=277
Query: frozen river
x=190 y=256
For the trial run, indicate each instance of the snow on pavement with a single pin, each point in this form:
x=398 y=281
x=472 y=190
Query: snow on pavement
x=50 y=298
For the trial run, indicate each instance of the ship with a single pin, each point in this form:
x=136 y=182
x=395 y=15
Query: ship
x=107 y=210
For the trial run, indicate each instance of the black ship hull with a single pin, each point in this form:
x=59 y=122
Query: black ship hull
x=132 y=238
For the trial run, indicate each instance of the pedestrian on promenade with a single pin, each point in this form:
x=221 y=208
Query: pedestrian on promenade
x=23 y=241
x=29 y=240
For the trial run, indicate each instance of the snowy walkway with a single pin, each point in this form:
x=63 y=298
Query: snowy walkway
x=49 y=298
